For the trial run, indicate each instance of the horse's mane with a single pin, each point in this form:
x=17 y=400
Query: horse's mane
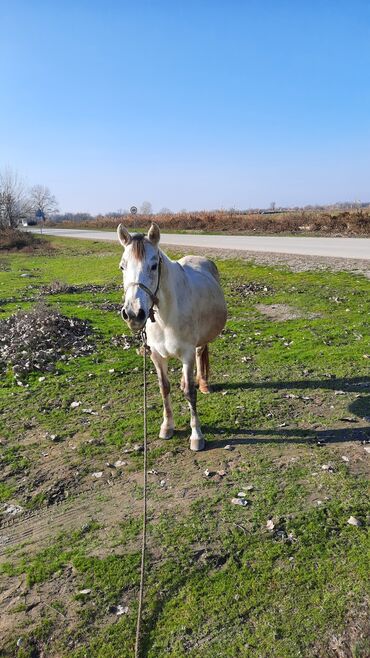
x=138 y=246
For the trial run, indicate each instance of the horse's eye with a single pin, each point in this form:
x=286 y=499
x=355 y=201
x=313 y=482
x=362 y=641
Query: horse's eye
x=154 y=267
x=122 y=267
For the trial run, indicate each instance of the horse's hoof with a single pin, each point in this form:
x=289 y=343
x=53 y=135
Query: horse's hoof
x=166 y=433
x=203 y=386
x=197 y=444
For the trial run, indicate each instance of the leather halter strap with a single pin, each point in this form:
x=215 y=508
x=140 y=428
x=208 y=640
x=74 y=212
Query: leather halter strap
x=152 y=295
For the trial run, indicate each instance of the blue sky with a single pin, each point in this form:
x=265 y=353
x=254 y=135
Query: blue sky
x=188 y=104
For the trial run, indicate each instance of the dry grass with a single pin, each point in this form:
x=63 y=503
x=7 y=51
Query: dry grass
x=17 y=240
x=324 y=222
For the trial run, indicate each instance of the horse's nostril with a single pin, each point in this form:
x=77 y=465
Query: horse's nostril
x=124 y=315
x=141 y=315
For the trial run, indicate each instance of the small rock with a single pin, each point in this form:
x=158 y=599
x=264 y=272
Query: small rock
x=90 y=411
x=119 y=463
x=42 y=379
x=228 y=447
x=221 y=473
x=97 y=474
x=75 y=404
x=239 y=501
x=241 y=494
x=111 y=371
x=270 y=525
x=138 y=448
x=353 y=521
x=327 y=467
x=162 y=483
x=84 y=591
x=13 y=510
x=339 y=393
x=53 y=437
x=121 y=610
x=207 y=473
x=345 y=459
x=367 y=449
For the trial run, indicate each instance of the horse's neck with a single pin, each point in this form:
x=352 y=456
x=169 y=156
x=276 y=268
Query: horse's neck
x=167 y=299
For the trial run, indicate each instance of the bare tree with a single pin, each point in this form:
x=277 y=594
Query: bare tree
x=146 y=208
x=165 y=211
x=15 y=203
x=42 y=200
x=272 y=205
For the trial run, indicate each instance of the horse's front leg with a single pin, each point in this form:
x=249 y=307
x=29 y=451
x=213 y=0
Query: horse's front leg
x=167 y=427
x=196 y=439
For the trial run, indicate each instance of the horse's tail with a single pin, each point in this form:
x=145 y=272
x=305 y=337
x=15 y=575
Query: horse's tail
x=204 y=359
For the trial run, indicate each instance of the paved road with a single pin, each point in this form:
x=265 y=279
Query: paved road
x=327 y=247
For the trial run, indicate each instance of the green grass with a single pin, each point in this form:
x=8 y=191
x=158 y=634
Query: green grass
x=218 y=583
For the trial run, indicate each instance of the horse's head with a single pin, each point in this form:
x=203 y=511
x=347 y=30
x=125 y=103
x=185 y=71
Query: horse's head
x=140 y=264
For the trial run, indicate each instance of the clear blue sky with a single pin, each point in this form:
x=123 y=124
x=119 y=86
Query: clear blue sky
x=187 y=104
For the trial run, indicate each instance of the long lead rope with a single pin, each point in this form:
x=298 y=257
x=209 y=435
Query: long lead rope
x=143 y=544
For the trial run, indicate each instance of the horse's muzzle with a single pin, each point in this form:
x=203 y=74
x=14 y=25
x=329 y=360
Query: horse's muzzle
x=135 y=321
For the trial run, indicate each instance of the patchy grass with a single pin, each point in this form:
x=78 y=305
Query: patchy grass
x=291 y=395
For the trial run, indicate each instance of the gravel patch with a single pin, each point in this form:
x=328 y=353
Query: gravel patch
x=294 y=262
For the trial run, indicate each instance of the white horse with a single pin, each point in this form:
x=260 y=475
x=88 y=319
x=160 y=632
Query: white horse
x=183 y=307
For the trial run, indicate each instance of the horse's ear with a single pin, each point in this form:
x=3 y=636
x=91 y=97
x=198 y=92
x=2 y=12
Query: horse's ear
x=154 y=234
x=123 y=235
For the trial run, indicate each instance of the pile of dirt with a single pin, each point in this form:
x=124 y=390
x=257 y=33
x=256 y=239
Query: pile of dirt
x=37 y=339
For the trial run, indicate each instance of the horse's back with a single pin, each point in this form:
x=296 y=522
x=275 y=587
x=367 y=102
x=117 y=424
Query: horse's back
x=201 y=265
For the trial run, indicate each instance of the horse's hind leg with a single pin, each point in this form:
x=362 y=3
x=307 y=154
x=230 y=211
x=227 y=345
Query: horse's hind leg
x=202 y=360
x=196 y=439
x=167 y=427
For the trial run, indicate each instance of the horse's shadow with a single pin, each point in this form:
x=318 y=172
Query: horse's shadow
x=238 y=436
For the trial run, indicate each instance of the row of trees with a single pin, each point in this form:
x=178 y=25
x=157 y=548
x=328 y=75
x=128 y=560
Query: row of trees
x=18 y=203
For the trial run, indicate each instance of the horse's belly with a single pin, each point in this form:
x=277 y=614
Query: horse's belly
x=211 y=327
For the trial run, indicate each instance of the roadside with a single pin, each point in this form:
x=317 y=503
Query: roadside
x=357 y=248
